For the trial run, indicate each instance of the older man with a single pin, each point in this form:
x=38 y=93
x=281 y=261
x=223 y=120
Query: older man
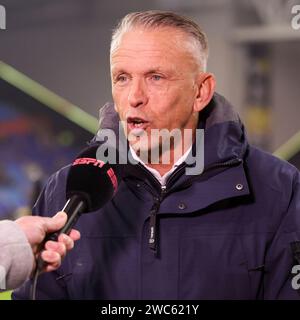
x=228 y=231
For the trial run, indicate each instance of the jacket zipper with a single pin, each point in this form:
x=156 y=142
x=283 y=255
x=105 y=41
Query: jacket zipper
x=153 y=236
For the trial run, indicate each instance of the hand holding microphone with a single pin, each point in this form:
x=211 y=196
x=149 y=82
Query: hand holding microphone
x=36 y=228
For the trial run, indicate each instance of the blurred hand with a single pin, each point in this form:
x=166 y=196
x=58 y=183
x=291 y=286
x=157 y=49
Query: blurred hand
x=36 y=228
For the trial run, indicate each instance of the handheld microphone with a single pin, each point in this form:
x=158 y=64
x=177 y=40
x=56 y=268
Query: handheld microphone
x=91 y=183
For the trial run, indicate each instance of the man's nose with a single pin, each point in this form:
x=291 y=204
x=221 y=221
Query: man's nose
x=137 y=95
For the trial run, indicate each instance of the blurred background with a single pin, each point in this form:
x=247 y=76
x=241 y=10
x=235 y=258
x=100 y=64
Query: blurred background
x=54 y=77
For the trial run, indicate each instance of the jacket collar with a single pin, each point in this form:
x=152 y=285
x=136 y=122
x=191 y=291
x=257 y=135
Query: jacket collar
x=224 y=133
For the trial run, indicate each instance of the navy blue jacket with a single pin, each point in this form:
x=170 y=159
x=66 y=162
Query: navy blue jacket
x=223 y=234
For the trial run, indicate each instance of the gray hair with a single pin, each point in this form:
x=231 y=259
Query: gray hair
x=154 y=19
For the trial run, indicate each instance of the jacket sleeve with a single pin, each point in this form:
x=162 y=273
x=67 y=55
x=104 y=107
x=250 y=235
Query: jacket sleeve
x=50 y=201
x=280 y=261
x=16 y=257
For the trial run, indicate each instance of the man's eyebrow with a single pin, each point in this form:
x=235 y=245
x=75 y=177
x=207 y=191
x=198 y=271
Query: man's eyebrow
x=154 y=70
x=117 y=71
x=166 y=71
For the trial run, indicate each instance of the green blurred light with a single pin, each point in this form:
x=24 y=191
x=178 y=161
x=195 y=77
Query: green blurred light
x=49 y=98
x=5 y=295
x=290 y=148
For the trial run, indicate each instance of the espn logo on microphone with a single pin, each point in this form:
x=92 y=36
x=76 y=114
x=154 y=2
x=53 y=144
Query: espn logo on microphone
x=93 y=161
x=98 y=163
x=2 y=18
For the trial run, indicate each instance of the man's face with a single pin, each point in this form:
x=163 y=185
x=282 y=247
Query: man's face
x=154 y=82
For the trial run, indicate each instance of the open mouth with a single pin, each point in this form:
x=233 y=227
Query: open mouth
x=136 y=123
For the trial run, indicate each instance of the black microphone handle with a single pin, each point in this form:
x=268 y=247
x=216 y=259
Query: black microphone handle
x=73 y=208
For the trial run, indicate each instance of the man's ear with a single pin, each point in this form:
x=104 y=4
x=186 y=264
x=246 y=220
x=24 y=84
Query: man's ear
x=206 y=84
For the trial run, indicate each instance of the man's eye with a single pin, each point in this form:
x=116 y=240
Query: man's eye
x=121 y=78
x=156 y=77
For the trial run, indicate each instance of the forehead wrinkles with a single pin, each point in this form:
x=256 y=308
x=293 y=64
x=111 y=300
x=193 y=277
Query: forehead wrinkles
x=162 y=57
x=136 y=53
